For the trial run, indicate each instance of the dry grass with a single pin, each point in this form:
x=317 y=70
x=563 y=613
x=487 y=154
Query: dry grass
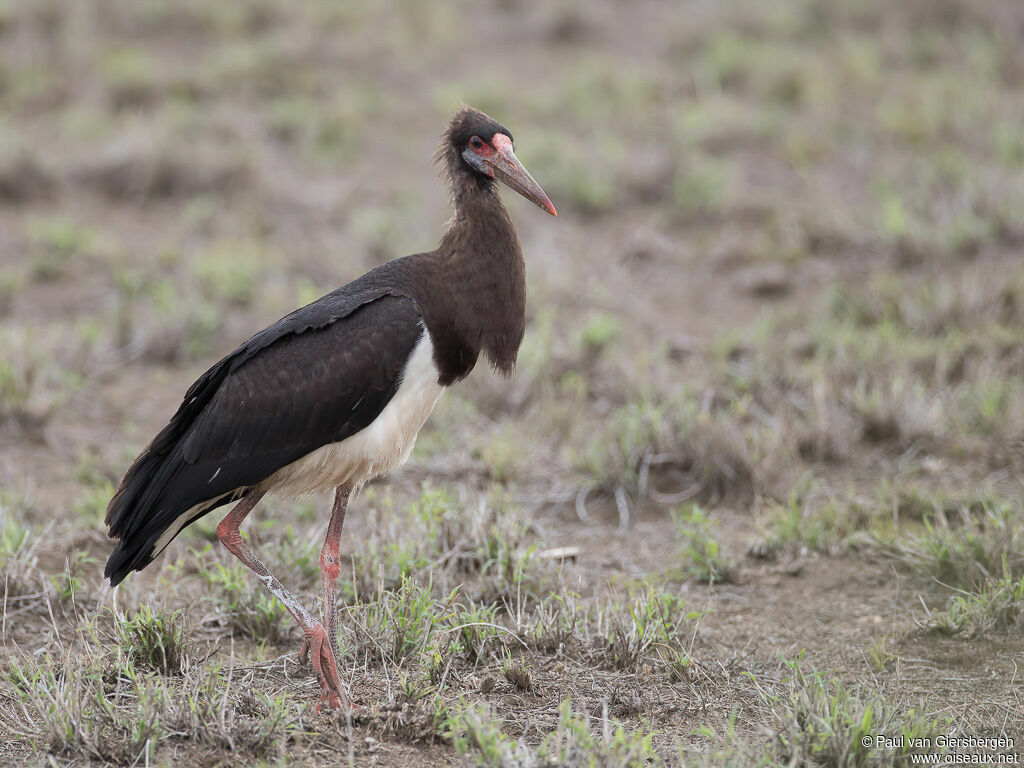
x=769 y=404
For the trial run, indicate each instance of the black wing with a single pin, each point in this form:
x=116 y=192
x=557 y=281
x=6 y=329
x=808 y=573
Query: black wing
x=316 y=377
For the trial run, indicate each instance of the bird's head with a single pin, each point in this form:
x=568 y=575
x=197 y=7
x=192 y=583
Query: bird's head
x=478 y=148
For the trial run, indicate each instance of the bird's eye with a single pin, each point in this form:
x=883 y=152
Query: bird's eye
x=476 y=142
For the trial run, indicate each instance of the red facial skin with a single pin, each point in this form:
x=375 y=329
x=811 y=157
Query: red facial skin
x=485 y=149
x=497 y=160
x=502 y=142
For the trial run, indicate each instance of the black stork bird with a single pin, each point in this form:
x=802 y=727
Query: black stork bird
x=334 y=394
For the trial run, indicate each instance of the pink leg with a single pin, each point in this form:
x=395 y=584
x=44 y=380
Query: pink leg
x=330 y=568
x=316 y=638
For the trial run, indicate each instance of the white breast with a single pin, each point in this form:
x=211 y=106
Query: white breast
x=383 y=445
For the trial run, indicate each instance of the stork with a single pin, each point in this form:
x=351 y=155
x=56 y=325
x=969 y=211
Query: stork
x=334 y=394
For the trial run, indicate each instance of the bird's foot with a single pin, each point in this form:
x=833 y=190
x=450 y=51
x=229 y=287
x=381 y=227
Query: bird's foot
x=304 y=650
x=325 y=666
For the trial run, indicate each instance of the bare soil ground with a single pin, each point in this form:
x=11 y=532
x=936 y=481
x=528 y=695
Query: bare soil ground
x=755 y=491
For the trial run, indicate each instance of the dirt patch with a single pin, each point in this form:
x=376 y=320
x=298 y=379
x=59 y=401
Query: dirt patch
x=758 y=467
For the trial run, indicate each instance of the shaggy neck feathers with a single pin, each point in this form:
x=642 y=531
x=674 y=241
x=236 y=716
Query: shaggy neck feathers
x=472 y=289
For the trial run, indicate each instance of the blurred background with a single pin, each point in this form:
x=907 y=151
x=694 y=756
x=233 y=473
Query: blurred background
x=785 y=282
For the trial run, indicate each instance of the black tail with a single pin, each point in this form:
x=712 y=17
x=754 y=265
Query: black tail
x=122 y=562
x=138 y=515
x=151 y=496
x=156 y=494
x=159 y=487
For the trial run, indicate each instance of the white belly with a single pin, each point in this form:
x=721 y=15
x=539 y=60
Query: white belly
x=383 y=445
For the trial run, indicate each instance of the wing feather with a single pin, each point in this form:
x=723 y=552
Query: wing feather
x=323 y=375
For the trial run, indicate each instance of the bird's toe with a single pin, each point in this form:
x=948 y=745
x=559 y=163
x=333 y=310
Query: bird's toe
x=325 y=666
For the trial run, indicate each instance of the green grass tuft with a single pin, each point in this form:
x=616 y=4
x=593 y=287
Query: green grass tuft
x=705 y=560
x=157 y=641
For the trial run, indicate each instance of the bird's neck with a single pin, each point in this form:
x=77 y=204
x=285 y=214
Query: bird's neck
x=481 y=243
x=479 y=210
x=482 y=281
